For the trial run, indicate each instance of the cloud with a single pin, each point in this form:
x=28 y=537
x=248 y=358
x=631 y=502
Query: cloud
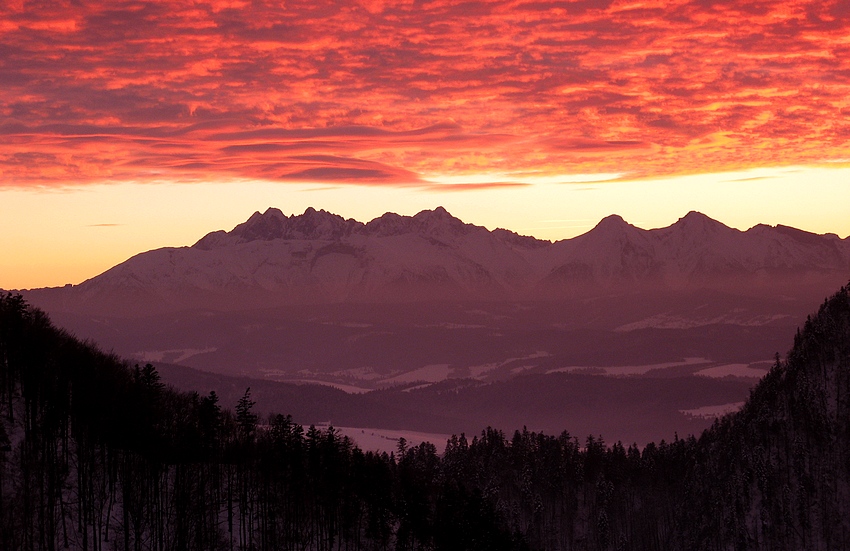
x=336 y=169
x=473 y=186
x=752 y=179
x=339 y=174
x=602 y=146
x=128 y=90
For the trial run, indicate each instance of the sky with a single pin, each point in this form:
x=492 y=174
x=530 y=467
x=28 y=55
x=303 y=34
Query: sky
x=129 y=125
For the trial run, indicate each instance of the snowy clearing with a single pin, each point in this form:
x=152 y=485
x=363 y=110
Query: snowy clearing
x=429 y=374
x=477 y=371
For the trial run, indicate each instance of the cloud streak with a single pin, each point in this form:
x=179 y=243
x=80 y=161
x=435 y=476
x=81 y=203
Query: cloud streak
x=394 y=93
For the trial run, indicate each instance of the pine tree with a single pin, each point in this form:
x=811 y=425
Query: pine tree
x=245 y=418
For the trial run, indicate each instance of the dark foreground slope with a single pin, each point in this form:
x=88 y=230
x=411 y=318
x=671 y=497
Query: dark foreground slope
x=776 y=475
x=98 y=455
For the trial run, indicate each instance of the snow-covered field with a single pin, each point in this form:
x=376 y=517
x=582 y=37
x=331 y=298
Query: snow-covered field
x=427 y=374
x=478 y=371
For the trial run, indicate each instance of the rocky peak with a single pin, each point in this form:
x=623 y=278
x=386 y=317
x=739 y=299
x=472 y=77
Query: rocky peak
x=273 y=224
x=613 y=221
x=611 y=228
x=439 y=223
x=319 y=224
x=388 y=224
x=695 y=235
x=261 y=227
x=436 y=223
x=698 y=222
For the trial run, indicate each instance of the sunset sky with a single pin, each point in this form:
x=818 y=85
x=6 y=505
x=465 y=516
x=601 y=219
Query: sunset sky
x=126 y=126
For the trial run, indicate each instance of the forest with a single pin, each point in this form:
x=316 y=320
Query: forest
x=97 y=454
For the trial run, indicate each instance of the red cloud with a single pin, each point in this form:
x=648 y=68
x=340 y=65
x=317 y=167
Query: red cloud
x=390 y=93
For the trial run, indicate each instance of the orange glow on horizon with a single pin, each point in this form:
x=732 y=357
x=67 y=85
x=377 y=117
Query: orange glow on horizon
x=54 y=236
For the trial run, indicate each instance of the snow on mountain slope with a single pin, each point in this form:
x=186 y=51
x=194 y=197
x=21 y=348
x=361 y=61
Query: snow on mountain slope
x=697 y=250
x=702 y=247
x=614 y=250
x=320 y=257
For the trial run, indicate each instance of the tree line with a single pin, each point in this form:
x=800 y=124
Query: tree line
x=98 y=454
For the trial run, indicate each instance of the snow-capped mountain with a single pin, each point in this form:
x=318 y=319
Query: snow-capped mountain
x=319 y=257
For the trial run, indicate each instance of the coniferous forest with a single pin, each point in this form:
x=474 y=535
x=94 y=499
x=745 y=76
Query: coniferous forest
x=96 y=454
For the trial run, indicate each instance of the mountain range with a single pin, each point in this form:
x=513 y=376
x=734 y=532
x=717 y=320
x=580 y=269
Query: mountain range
x=319 y=257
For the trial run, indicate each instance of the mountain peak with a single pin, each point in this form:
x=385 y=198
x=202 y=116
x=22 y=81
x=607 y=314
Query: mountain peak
x=613 y=219
x=270 y=213
x=438 y=213
x=613 y=223
x=318 y=224
x=695 y=218
x=440 y=222
x=261 y=227
x=437 y=222
x=274 y=212
x=696 y=225
x=273 y=224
